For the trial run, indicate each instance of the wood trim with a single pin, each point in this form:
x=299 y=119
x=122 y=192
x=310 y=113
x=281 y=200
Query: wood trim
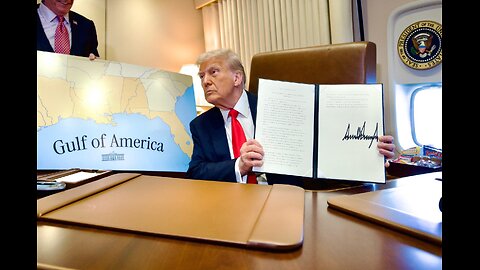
x=201 y=3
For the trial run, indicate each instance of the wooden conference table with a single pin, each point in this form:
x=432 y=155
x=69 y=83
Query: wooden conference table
x=332 y=240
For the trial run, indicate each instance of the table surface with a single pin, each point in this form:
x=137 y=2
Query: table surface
x=332 y=240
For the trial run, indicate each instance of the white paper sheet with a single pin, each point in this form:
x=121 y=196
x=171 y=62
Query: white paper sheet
x=350 y=119
x=284 y=127
x=77 y=177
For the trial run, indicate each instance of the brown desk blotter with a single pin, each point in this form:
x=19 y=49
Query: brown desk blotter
x=251 y=215
x=412 y=208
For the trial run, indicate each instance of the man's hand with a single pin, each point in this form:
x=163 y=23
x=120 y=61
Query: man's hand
x=386 y=147
x=251 y=155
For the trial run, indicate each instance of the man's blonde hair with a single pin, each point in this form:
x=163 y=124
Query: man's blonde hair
x=233 y=60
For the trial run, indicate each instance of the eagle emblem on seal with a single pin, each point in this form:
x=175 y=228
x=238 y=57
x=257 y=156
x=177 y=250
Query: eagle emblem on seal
x=423 y=45
x=420 y=45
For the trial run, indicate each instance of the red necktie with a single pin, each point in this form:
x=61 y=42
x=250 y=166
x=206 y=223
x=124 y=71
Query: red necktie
x=238 y=138
x=62 y=40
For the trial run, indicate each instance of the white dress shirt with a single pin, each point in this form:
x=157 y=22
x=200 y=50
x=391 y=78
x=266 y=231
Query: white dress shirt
x=49 y=22
x=246 y=120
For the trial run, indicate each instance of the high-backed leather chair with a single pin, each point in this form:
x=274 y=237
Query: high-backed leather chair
x=346 y=63
x=353 y=62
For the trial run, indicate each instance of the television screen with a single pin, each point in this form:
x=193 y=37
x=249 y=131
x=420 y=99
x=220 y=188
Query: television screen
x=109 y=115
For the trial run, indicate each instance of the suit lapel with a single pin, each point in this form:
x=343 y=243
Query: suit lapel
x=218 y=135
x=42 y=40
x=252 y=101
x=74 y=29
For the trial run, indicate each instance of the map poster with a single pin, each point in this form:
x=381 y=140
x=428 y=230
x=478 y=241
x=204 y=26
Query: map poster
x=109 y=115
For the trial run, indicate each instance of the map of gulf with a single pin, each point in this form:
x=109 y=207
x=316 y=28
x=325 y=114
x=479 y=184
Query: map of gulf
x=109 y=115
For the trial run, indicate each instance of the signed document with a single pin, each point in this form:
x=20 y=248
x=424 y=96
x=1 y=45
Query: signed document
x=321 y=131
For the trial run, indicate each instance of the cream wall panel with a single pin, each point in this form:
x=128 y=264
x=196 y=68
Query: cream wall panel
x=158 y=33
x=95 y=10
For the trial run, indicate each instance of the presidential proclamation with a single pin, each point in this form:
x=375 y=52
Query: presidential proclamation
x=321 y=131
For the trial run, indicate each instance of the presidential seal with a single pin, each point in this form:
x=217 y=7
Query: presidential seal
x=420 y=45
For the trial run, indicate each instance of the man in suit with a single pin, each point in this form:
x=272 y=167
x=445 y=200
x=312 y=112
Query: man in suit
x=223 y=80
x=82 y=31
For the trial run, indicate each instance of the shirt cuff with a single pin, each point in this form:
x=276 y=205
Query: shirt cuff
x=239 y=177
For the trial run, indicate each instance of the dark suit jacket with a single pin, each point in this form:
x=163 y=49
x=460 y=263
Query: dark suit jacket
x=211 y=157
x=84 y=36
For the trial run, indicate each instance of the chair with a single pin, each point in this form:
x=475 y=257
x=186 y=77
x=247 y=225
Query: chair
x=353 y=62
x=346 y=63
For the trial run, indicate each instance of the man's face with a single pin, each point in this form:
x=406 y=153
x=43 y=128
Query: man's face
x=59 y=7
x=219 y=83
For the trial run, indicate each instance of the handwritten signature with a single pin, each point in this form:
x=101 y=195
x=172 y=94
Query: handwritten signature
x=361 y=134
